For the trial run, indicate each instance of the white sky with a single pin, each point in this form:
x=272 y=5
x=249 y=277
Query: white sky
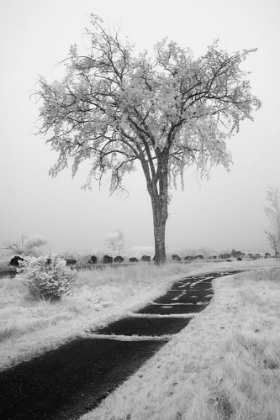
x=224 y=212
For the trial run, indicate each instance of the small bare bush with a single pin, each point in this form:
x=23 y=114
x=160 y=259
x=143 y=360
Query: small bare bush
x=47 y=277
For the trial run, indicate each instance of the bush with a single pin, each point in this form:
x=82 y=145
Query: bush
x=47 y=277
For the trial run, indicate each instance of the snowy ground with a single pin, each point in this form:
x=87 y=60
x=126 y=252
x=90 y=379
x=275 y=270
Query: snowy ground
x=224 y=365
x=29 y=328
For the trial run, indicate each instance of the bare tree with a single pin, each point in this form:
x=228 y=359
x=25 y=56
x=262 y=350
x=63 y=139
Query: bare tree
x=169 y=112
x=115 y=241
x=273 y=214
x=26 y=245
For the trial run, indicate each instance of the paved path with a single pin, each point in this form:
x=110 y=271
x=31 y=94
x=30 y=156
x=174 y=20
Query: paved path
x=67 y=382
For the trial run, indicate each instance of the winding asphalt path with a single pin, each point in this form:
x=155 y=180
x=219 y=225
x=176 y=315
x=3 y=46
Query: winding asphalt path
x=65 y=383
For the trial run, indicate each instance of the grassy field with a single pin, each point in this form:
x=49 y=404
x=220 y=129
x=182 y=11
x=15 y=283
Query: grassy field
x=224 y=366
x=28 y=327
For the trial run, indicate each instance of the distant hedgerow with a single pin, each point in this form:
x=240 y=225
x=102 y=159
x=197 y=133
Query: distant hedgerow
x=47 y=277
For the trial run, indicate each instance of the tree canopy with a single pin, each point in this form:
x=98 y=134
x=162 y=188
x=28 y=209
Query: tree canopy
x=169 y=111
x=114 y=108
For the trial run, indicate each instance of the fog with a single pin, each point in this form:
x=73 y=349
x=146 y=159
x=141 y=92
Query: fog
x=224 y=212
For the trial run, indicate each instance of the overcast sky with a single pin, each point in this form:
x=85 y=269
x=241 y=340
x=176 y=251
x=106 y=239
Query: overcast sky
x=223 y=212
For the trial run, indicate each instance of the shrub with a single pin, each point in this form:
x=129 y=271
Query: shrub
x=47 y=277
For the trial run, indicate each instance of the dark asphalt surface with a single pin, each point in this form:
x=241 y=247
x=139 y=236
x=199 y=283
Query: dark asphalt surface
x=182 y=309
x=145 y=326
x=68 y=382
x=65 y=383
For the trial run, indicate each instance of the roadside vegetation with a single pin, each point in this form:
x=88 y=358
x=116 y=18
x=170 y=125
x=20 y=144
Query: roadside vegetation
x=224 y=366
x=29 y=327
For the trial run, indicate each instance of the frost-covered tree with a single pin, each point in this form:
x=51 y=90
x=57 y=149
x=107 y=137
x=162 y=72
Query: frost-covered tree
x=273 y=214
x=26 y=245
x=168 y=112
x=115 y=241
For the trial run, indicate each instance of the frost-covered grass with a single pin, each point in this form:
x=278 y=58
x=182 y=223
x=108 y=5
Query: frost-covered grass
x=225 y=365
x=28 y=327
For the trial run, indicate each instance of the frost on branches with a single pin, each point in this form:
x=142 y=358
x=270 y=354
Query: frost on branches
x=169 y=112
x=47 y=277
x=27 y=245
x=273 y=214
x=115 y=241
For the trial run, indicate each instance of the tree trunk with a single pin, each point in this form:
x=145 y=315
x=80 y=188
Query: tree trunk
x=159 y=217
x=157 y=185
